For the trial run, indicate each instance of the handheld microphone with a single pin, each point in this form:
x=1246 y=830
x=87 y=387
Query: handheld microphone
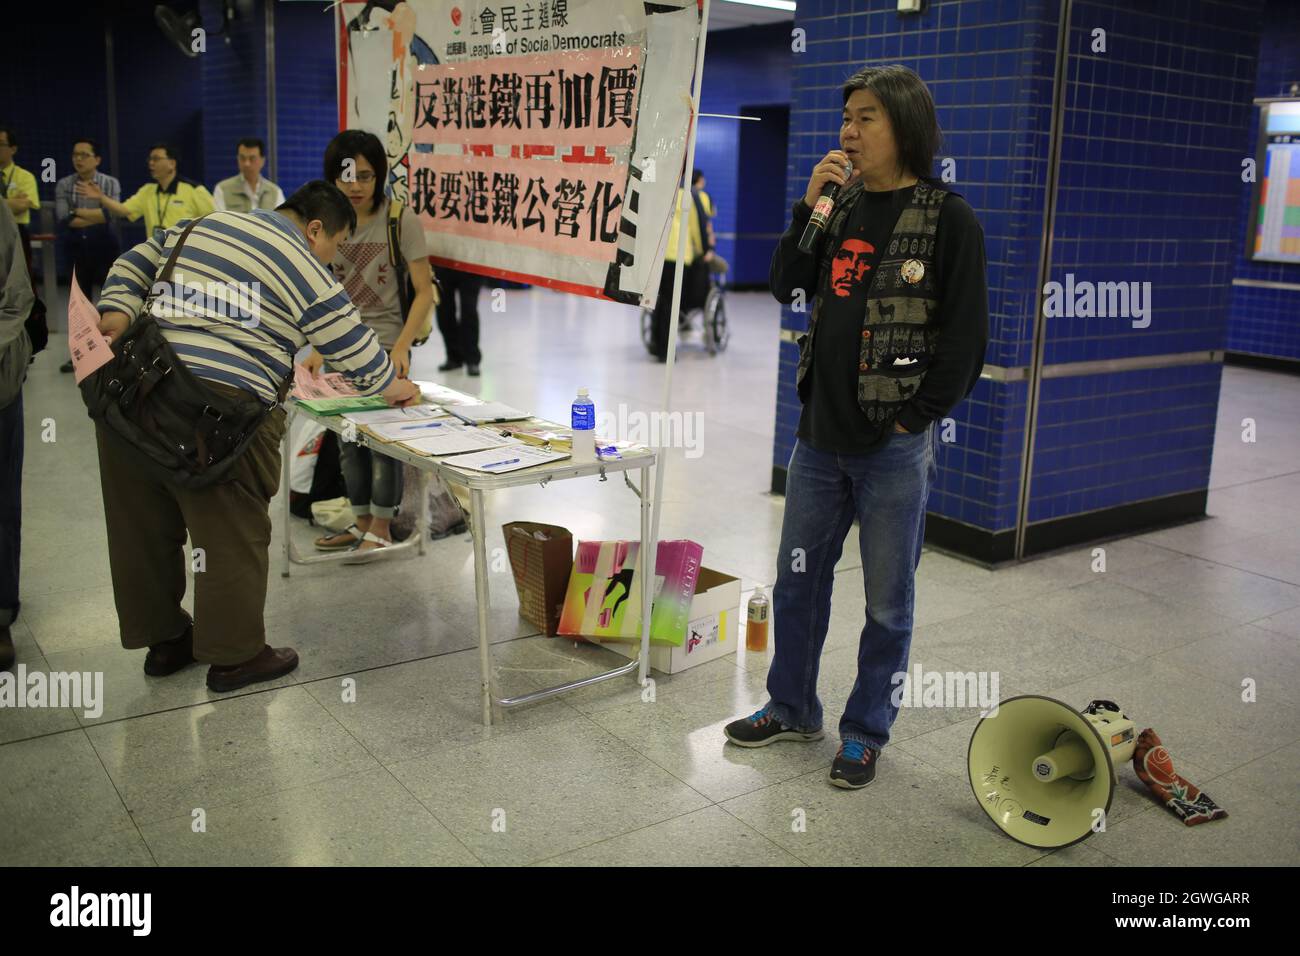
x=821 y=212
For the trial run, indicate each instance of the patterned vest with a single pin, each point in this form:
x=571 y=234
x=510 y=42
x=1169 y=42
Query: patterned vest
x=900 y=314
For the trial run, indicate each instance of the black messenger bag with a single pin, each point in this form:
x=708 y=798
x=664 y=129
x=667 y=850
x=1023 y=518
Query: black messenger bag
x=146 y=395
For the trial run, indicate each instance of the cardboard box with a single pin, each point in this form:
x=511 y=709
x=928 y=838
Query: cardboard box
x=713 y=630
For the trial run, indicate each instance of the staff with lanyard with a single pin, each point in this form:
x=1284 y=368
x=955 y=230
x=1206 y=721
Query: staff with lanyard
x=17 y=189
x=163 y=203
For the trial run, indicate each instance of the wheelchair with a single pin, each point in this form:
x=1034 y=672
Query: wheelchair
x=711 y=317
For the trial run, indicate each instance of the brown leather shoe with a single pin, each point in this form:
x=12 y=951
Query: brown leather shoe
x=167 y=657
x=270 y=663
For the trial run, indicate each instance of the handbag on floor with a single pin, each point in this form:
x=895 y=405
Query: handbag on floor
x=332 y=514
x=443 y=511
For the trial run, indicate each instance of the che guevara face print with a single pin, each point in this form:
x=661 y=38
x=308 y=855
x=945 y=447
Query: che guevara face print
x=850 y=266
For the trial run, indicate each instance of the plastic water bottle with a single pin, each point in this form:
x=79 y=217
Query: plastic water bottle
x=756 y=622
x=584 y=428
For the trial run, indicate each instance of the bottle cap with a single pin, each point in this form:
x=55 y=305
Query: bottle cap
x=582 y=391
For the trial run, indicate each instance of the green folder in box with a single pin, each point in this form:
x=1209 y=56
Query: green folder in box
x=340 y=406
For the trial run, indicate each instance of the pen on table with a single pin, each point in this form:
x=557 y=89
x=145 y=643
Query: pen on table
x=407 y=428
x=498 y=464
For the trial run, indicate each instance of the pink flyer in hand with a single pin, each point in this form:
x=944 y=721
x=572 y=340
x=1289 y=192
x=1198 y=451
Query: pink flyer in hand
x=328 y=385
x=90 y=348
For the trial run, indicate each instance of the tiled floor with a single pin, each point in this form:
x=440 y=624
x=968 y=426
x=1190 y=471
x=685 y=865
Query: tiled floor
x=294 y=774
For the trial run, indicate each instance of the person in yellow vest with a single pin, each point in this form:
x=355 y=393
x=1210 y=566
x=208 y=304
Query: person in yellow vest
x=17 y=188
x=699 y=249
x=247 y=190
x=163 y=203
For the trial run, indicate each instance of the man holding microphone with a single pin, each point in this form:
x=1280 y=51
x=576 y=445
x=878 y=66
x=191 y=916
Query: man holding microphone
x=895 y=340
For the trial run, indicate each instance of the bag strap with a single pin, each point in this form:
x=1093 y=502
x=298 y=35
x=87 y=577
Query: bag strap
x=165 y=276
x=395 y=234
x=395 y=257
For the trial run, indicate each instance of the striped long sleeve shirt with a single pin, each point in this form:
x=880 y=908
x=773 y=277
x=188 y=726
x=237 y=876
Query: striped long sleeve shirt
x=67 y=202
x=245 y=295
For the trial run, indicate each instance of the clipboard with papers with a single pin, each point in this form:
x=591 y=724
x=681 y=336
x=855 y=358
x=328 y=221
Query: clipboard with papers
x=453 y=438
x=409 y=413
x=488 y=412
x=402 y=431
x=511 y=457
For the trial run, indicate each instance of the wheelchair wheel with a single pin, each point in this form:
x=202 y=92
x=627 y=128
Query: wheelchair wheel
x=716 y=333
x=647 y=330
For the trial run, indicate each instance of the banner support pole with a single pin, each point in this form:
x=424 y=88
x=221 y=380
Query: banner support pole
x=647 y=561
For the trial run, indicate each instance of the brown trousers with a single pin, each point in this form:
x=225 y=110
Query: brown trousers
x=147 y=524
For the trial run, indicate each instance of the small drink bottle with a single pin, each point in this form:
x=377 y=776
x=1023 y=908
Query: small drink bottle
x=756 y=622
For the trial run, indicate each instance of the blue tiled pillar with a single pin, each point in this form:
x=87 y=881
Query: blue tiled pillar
x=1154 y=129
x=1151 y=136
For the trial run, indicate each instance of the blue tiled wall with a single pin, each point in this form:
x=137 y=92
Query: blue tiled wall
x=52 y=87
x=1267 y=321
x=306 y=100
x=234 y=88
x=234 y=83
x=743 y=68
x=159 y=98
x=1108 y=440
x=1150 y=179
x=36 y=99
x=202 y=104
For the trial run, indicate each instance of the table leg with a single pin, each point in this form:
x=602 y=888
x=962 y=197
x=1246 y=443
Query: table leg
x=477 y=522
x=422 y=510
x=645 y=562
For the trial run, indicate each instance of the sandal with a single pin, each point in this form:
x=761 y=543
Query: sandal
x=337 y=542
x=360 y=555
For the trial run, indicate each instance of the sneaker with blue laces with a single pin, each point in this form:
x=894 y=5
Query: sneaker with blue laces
x=854 y=766
x=762 y=728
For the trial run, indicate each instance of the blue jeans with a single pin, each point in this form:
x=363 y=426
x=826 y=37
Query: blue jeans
x=374 y=481
x=886 y=491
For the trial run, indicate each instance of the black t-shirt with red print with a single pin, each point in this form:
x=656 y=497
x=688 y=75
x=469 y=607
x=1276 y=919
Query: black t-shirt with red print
x=832 y=420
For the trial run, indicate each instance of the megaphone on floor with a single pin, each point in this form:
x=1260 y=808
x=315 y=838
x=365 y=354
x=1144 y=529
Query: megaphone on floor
x=1044 y=772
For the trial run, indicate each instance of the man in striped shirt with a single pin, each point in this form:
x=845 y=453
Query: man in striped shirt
x=247 y=292
x=86 y=232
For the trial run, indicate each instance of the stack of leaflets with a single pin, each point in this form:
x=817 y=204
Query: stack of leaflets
x=442 y=395
x=347 y=403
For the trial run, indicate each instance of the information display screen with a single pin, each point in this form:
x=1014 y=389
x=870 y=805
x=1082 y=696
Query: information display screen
x=1275 y=213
